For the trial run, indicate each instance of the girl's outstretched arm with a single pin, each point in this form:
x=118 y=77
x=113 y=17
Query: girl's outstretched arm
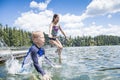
x=62 y=31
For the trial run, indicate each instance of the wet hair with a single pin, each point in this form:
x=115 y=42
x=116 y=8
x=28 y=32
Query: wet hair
x=54 y=16
x=36 y=34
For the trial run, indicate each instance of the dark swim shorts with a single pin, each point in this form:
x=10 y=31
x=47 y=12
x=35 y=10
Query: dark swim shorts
x=52 y=38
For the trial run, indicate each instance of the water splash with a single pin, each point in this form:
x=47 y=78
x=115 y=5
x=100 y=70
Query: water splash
x=12 y=66
x=5 y=51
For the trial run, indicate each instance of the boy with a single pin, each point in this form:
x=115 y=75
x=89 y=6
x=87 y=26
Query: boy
x=37 y=51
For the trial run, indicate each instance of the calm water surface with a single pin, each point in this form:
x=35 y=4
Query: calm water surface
x=78 y=63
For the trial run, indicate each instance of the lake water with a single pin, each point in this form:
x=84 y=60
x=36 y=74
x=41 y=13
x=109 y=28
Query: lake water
x=78 y=63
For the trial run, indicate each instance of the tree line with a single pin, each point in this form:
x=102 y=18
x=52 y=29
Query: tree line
x=14 y=37
x=93 y=41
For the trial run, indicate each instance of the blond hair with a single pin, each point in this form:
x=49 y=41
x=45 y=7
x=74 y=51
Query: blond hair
x=36 y=34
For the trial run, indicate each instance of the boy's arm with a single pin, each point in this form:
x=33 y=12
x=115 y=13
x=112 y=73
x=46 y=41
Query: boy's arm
x=52 y=64
x=36 y=64
x=48 y=61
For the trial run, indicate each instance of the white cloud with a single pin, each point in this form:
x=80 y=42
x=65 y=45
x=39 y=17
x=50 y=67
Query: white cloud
x=93 y=23
x=70 y=23
x=113 y=30
x=91 y=30
x=109 y=16
x=73 y=25
x=95 y=30
x=101 y=7
x=70 y=18
x=96 y=7
x=41 y=5
x=33 y=4
x=32 y=21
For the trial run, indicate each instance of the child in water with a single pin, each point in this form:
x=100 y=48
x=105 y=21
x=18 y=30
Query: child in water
x=53 y=31
x=35 y=52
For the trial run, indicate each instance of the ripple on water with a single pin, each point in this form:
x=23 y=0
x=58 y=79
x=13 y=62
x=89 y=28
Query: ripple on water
x=84 y=63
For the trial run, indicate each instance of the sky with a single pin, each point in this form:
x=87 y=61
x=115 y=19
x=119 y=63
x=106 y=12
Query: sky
x=77 y=17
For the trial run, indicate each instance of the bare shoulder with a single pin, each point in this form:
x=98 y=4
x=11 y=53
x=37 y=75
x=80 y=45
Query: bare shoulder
x=57 y=25
x=51 y=23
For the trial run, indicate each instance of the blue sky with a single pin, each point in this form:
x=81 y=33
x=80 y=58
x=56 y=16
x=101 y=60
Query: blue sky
x=77 y=17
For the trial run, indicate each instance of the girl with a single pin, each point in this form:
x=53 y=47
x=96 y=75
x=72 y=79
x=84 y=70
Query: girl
x=53 y=31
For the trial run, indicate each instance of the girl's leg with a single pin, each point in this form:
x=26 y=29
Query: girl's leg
x=59 y=45
x=59 y=50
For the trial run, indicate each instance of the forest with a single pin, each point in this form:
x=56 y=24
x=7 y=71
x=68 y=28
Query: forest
x=15 y=37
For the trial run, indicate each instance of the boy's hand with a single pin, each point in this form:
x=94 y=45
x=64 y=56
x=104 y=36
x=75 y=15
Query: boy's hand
x=46 y=77
x=57 y=66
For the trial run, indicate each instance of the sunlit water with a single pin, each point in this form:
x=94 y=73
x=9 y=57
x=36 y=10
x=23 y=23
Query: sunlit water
x=78 y=63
